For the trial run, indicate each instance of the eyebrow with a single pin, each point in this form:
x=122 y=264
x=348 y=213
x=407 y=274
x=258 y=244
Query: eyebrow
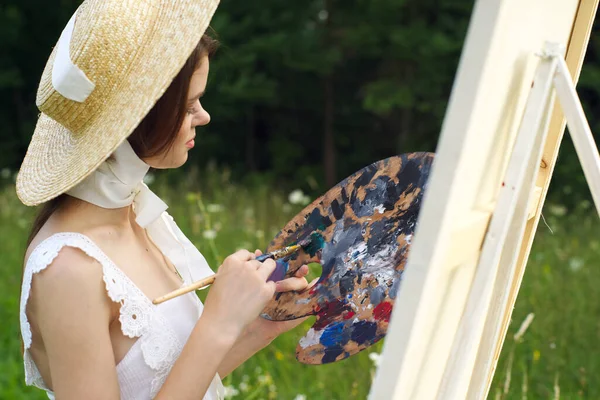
x=197 y=96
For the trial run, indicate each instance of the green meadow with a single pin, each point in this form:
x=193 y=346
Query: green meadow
x=557 y=356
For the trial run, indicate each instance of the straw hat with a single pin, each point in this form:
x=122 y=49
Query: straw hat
x=112 y=63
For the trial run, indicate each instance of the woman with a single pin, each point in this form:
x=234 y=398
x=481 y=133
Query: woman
x=120 y=94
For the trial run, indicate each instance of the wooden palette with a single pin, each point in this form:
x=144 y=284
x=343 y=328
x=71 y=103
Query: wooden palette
x=366 y=223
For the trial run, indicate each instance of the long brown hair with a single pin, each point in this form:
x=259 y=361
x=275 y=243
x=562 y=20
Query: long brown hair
x=158 y=130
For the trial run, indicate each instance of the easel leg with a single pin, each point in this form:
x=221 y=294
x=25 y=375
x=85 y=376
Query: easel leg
x=579 y=129
x=501 y=243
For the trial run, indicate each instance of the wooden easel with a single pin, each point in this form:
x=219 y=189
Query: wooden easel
x=485 y=198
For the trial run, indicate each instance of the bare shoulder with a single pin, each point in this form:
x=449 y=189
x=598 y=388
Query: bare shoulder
x=71 y=280
x=70 y=309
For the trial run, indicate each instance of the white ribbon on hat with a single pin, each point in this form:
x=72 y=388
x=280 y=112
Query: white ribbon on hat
x=67 y=78
x=117 y=183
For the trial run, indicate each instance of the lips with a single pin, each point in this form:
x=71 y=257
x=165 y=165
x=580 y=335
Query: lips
x=190 y=143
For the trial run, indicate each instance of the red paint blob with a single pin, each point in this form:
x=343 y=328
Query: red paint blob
x=349 y=315
x=328 y=311
x=383 y=311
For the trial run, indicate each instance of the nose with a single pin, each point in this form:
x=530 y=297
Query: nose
x=203 y=118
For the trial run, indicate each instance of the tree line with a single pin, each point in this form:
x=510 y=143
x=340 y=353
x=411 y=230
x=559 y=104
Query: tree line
x=314 y=89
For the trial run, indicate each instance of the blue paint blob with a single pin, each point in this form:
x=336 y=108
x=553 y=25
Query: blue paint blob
x=333 y=335
x=363 y=331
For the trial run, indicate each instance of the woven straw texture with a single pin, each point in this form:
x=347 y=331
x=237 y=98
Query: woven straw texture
x=131 y=50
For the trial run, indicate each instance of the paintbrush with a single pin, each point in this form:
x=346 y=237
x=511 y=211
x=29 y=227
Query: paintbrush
x=275 y=255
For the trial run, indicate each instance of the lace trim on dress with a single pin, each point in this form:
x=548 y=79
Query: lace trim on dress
x=138 y=316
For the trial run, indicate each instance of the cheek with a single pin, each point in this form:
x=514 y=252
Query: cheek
x=185 y=126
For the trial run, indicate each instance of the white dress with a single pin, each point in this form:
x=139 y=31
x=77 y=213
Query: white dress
x=162 y=329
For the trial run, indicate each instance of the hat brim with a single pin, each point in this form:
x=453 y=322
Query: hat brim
x=58 y=159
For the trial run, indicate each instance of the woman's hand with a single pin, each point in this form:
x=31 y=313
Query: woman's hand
x=239 y=293
x=260 y=332
x=269 y=330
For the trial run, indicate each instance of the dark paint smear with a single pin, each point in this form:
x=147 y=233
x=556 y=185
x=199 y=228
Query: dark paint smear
x=330 y=354
x=410 y=175
x=329 y=310
x=384 y=193
x=382 y=234
x=344 y=195
x=334 y=252
x=337 y=210
x=317 y=241
x=347 y=282
x=316 y=221
x=366 y=176
x=363 y=331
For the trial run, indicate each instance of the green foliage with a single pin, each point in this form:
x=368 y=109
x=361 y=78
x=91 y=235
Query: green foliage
x=558 y=350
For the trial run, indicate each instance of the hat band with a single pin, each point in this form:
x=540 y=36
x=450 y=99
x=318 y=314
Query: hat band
x=67 y=78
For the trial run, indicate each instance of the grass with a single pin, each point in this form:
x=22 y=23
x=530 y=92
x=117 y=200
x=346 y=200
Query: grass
x=557 y=354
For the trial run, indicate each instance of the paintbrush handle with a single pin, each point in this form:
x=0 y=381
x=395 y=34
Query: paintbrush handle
x=277 y=254
x=194 y=286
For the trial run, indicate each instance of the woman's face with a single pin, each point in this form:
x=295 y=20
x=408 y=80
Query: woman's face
x=195 y=116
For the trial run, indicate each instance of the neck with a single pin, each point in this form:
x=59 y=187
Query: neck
x=84 y=215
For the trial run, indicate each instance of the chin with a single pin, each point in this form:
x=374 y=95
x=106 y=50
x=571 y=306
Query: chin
x=181 y=160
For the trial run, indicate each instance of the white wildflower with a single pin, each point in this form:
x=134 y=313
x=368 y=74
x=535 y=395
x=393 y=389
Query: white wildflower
x=231 y=391
x=148 y=179
x=305 y=200
x=209 y=234
x=296 y=197
x=300 y=397
x=575 y=264
x=376 y=358
x=214 y=208
x=557 y=210
x=244 y=387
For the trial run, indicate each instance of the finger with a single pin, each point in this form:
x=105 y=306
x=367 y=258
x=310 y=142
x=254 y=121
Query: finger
x=257 y=253
x=254 y=264
x=243 y=255
x=302 y=271
x=267 y=267
x=272 y=288
x=313 y=283
x=292 y=284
